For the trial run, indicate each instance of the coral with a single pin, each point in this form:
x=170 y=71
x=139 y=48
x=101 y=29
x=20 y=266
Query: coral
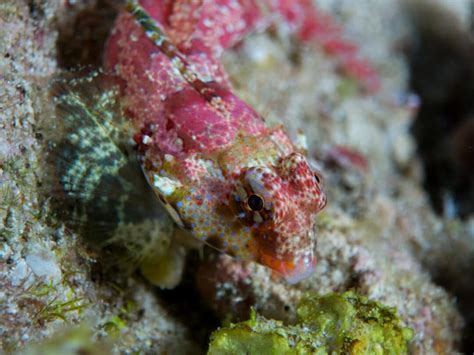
x=335 y=323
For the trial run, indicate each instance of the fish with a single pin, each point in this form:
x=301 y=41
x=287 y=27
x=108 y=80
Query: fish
x=222 y=173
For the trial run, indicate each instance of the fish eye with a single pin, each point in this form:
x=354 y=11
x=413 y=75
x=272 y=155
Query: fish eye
x=318 y=178
x=255 y=203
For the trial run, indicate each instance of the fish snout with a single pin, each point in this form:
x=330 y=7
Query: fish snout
x=293 y=270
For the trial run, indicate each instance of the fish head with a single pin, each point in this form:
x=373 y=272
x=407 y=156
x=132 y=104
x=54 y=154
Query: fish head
x=265 y=211
x=279 y=204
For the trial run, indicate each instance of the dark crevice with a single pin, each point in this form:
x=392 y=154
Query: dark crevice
x=36 y=9
x=441 y=62
x=186 y=304
x=81 y=41
x=463 y=290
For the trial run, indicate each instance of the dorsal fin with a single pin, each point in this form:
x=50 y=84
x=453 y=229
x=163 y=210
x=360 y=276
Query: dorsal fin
x=157 y=34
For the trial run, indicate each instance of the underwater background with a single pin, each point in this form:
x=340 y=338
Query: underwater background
x=395 y=242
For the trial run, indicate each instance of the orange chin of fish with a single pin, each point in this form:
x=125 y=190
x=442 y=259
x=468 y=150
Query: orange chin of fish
x=292 y=271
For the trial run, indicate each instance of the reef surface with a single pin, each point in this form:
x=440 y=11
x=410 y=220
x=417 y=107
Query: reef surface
x=378 y=235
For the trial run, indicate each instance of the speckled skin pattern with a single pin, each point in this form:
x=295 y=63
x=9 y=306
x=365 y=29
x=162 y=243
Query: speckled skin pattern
x=207 y=153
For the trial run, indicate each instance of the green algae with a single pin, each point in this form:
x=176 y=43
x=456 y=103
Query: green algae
x=335 y=323
x=58 y=309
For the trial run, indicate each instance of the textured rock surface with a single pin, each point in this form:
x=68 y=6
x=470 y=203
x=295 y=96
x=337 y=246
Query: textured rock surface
x=377 y=235
x=47 y=276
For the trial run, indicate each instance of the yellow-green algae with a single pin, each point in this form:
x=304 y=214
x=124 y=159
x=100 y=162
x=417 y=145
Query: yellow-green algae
x=332 y=324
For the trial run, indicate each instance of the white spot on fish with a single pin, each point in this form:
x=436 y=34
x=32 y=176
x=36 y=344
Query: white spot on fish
x=146 y=139
x=165 y=185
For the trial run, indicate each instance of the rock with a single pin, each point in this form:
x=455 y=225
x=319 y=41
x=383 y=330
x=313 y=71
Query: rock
x=44 y=265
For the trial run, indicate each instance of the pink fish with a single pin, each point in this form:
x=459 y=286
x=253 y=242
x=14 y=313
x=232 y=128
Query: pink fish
x=220 y=171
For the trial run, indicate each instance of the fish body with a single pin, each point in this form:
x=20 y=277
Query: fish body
x=221 y=172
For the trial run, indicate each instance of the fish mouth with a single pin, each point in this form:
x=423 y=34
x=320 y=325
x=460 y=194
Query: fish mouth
x=292 y=270
x=294 y=259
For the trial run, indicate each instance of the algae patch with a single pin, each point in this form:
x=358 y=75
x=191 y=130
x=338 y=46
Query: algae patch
x=335 y=323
